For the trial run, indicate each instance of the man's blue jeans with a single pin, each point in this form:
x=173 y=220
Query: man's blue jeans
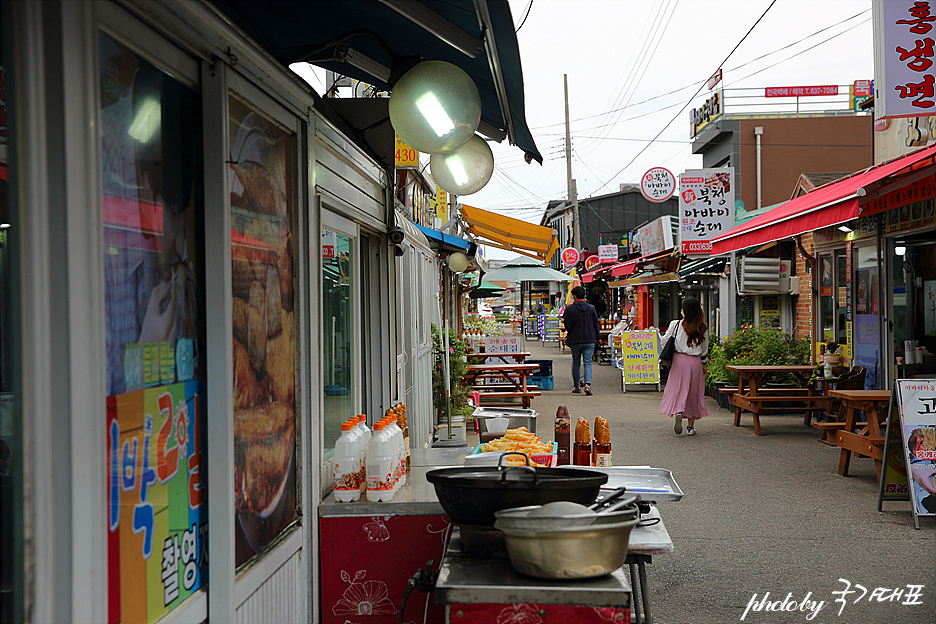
x=580 y=352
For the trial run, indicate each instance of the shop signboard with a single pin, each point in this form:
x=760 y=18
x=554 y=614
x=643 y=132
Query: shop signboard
x=404 y=155
x=658 y=184
x=440 y=202
x=501 y=344
x=592 y=261
x=570 y=256
x=657 y=236
x=801 y=91
x=706 y=209
x=637 y=354
x=328 y=244
x=705 y=114
x=918 y=431
x=607 y=254
x=904 y=74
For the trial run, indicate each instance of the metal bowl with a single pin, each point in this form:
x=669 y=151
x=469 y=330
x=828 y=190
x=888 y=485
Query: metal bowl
x=572 y=553
x=531 y=518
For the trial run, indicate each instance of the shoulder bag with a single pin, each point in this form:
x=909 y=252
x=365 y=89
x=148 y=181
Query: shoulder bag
x=669 y=348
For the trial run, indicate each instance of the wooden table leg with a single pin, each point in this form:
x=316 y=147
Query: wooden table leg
x=845 y=455
x=737 y=411
x=757 y=430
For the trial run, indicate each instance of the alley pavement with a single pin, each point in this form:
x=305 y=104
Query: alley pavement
x=760 y=514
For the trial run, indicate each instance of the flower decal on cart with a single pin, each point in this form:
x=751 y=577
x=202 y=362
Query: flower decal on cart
x=610 y=614
x=519 y=614
x=443 y=532
x=367 y=598
x=376 y=530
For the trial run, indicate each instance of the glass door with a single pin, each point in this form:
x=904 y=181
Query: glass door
x=340 y=357
x=867 y=347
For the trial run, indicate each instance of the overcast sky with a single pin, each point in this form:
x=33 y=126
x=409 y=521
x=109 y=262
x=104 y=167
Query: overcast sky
x=633 y=65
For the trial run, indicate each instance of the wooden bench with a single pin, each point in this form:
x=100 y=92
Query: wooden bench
x=761 y=404
x=500 y=387
x=524 y=398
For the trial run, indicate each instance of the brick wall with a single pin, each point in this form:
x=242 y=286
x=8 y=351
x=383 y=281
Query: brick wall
x=804 y=303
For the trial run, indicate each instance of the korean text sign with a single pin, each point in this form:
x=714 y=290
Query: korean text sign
x=905 y=76
x=706 y=208
x=639 y=356
x=157 y=506
x=918 y=429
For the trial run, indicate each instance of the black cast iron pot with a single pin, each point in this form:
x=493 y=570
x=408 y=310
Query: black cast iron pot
x=472 y=495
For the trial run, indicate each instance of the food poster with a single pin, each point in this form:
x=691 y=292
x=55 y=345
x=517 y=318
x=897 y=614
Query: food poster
x=152 y=212
x=826 y=278
x=261 y=178
x=918 y=426
x=639 y=358
x=894 y=472
x=157 y=505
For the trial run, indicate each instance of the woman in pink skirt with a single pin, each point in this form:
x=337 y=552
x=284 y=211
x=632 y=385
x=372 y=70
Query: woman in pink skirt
x=684 y=394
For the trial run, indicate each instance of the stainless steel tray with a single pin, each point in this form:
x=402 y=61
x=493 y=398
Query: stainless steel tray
x=650 y=484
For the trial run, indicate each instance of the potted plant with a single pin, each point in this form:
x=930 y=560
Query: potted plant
x=716 y=377
x=832 y=355
x=457 y=364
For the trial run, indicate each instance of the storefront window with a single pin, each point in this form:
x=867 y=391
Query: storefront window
x=262 y=154
x=832 y=297
x=337 y=333
x=867 y=313
x=155 y=336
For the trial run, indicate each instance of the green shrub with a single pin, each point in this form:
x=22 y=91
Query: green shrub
x=486 y=326
x=753 y=346
x=458 y=391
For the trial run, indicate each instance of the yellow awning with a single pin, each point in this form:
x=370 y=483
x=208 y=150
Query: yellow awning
x=508 y=233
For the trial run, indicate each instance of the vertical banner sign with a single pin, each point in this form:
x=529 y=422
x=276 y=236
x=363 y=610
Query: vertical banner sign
x=904 y=75
x=639 y=358
x=441 y=204
x=706 y=208
x=404 y=155
x=918 y=430
x=849 y=311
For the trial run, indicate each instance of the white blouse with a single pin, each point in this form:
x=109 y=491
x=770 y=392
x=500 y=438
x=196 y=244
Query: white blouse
x=682 y=344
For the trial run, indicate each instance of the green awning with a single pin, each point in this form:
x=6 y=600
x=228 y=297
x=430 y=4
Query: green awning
x=485 y=290
x=708 y=265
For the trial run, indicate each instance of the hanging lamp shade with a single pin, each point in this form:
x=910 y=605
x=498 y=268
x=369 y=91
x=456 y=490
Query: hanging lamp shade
x=466 y=170
x=435 y=107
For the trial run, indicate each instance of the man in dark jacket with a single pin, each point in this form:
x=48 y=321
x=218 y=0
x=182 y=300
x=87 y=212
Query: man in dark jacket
x=581 y=324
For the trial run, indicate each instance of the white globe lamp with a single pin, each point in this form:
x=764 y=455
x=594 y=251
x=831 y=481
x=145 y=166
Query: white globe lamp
x=435 y=107
x=466 y=170
x=457 y=262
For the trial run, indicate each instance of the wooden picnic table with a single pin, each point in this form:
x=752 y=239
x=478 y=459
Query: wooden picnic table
x=863 y=438
x=515 y=386
x=515 y=358
x=751 y=396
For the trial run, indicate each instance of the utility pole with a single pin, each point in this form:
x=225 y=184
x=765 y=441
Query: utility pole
x=572 y=194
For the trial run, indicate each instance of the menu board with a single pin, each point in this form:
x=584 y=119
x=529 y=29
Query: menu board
x=637 y=354
x=917 y=399
x=549 y=330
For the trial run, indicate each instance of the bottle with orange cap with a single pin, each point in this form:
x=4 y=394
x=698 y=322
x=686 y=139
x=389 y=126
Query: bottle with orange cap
x=347 y=487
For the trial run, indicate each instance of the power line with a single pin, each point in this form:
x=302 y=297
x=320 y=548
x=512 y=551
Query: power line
x=689 y=101
x=528 y=7
x=674 y=91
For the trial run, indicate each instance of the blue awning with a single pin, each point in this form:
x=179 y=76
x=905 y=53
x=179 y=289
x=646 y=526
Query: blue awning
x=446 y=242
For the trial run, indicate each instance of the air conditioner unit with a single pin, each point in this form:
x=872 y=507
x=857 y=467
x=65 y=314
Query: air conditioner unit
x=759 y=275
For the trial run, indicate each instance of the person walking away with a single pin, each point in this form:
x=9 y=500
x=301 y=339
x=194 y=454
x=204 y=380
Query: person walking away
x=684 y=394
x=580 y=320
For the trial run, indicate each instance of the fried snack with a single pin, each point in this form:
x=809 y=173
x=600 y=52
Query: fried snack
x=602 y=431
x=582 y=434
x=518 y=440
x=241 y=319
x=281 y=359
x=263 y=443
x=284 y=264
x=247 y=391
x=260 y=188
x=272 y=303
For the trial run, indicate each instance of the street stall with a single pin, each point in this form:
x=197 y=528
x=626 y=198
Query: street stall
x=440 y=535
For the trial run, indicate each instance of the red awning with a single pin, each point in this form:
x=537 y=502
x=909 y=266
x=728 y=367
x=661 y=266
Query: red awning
x=834 y=203
x=625 y=268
